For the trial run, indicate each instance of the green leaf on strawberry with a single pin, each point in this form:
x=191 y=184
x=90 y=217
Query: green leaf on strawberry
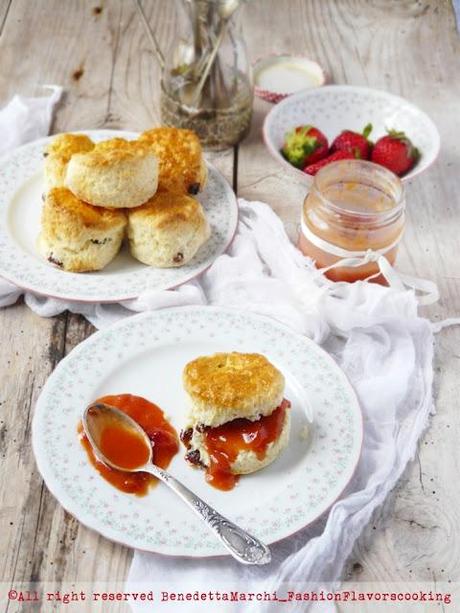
x=304 y=145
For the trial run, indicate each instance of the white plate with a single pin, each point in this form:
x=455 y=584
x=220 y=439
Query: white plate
x=145 y=355
x=334 y=108
x=21 y=188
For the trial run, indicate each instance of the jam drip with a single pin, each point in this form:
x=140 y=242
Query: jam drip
x=163 y=437
x=225 y=442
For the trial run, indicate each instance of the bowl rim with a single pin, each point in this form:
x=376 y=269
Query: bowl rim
x=269 y=118
x=279 y=93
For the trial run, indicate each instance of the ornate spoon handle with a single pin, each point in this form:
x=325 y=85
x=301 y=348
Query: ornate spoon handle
x=244 y=547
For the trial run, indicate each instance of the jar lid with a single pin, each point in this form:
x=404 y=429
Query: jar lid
x=279 y=76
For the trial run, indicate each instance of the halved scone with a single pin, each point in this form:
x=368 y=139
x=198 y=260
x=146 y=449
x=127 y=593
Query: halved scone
x=238 y=421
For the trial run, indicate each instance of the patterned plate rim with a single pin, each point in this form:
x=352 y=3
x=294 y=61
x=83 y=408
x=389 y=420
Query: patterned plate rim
x=53 y=484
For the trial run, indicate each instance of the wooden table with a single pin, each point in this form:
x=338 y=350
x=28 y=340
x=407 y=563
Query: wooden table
x=99 y=52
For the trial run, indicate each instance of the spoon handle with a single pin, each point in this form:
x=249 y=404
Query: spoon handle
x=151 y=35
x=242 y=545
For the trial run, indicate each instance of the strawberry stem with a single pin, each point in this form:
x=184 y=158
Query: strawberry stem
x=398 y=134
x=367 y=130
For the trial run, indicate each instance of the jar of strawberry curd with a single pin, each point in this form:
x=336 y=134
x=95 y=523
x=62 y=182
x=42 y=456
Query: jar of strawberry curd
x=353 y=207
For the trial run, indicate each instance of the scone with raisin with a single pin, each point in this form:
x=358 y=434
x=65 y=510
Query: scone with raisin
x=168 y=230
x=238 y=420
x=76 y=236
x=180 y=156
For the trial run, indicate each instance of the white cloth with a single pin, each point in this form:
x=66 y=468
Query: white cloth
x=25 y=119
x=375 y=334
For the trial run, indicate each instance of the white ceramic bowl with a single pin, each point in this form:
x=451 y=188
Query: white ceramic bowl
x=278 y=76
x=334 y=108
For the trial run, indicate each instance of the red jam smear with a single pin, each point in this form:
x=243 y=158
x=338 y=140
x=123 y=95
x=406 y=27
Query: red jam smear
x=163 y=437
x=226 y=441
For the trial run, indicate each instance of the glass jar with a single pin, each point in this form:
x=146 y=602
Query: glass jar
x=353 y=206
x=207 y=80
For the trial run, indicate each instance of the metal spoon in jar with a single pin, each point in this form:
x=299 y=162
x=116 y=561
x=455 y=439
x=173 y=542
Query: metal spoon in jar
x=191 y=93
x=98 y=416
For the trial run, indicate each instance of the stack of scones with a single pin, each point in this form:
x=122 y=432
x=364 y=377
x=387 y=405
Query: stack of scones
x=98 y=193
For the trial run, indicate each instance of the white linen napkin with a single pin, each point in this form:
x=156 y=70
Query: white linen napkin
x=374 y=333
x=25 y=119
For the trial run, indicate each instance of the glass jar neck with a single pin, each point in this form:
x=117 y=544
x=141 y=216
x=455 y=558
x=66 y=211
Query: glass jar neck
x=357 y=193
x=211 y=11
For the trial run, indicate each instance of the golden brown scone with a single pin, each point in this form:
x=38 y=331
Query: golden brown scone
x=182 y=166
x=76 y=236
x=168 y=230
x=115 y=144
x=227 y=386
x=58 y=153
x=238 y=421
x=116 y=174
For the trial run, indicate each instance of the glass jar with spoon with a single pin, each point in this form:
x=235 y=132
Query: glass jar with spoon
x=206 y=83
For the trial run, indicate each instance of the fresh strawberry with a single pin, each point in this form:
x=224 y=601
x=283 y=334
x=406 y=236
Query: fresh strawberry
x=312 y=169
x=305 y=145
x=395 y=152
x=319 y=144
x=355 y=143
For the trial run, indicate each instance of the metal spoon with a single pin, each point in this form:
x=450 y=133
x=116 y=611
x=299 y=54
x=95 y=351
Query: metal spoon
x=244 y=547
x=191 y=93
x=151 y=35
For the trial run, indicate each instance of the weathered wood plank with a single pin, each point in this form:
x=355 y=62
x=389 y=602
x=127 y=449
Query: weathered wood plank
x=4 y=8
x=75 y=46
x=31 y=347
